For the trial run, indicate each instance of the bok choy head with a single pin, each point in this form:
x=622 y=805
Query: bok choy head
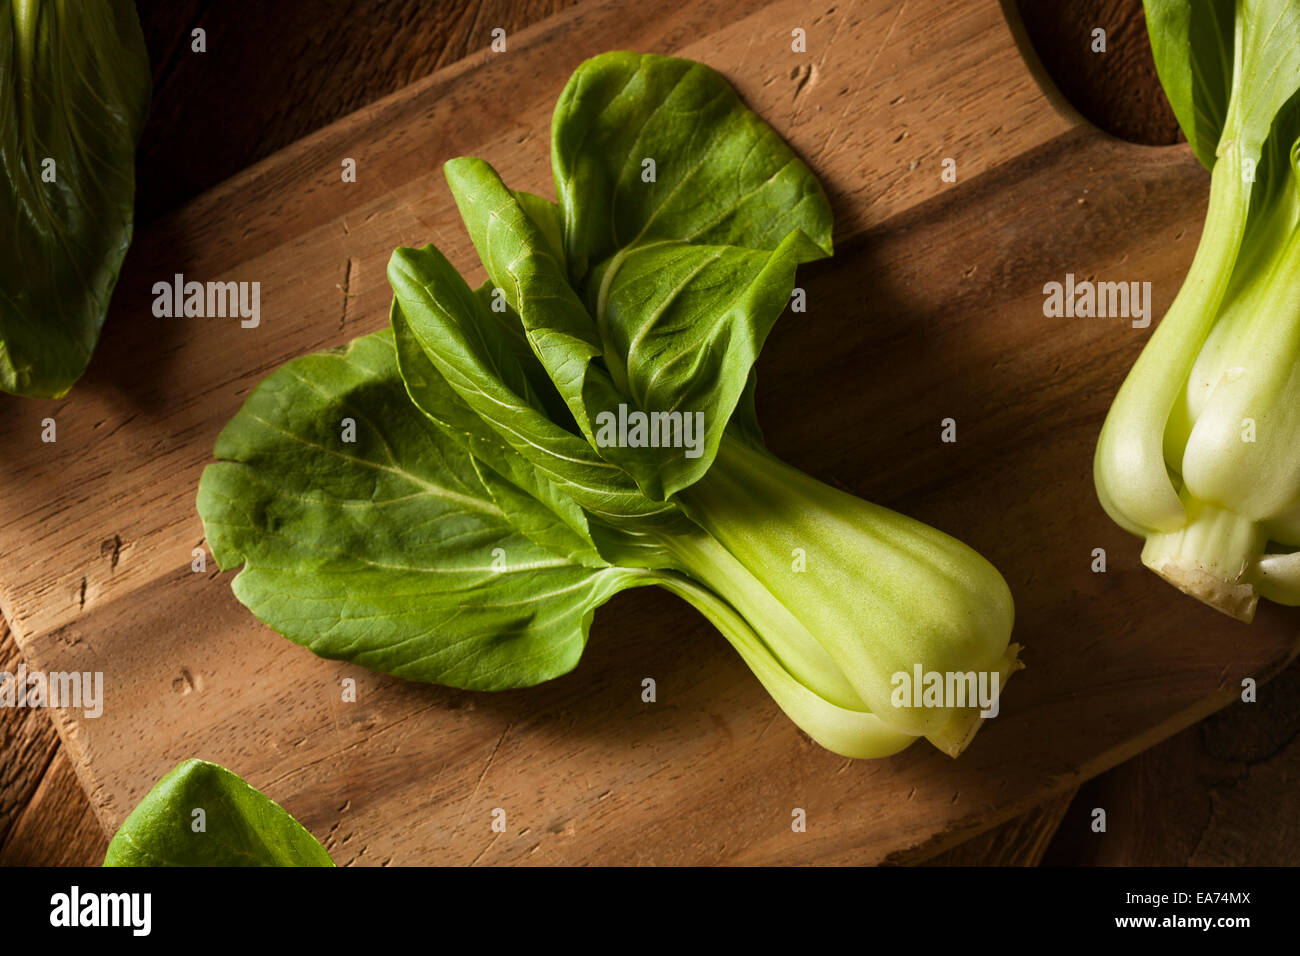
x=584 y=422
x=1200 y=453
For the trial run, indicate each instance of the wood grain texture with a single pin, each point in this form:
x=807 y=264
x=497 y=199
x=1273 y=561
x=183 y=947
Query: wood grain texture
x=1217 y=794
x=941 y=278
x=33 y=842
x=1021 y=841
x=28 y=743
x=291 y=68
x=46 y=820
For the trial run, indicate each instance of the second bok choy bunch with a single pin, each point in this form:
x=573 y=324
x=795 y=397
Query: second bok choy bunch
x=1200 y=453
x=450 y=500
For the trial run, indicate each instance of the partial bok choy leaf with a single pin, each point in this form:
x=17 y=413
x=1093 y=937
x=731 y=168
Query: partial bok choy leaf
x=469 y=536
x=201 y=814
x=75 y=81
x=400 y=551
x=1200 y=453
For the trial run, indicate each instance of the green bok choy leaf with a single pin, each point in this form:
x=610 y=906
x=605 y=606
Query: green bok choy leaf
x=201 y=814
x=491 y=497
x=75 y=90
x=1200 y=453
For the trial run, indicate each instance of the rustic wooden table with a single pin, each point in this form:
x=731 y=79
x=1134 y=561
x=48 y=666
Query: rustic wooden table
x=1212 y=794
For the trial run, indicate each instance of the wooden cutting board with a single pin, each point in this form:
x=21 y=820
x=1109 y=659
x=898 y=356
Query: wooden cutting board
x=931 y=309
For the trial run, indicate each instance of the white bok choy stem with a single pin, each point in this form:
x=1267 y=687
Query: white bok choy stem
x=1200 y=453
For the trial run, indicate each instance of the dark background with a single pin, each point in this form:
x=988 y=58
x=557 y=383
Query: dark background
x=274 y=72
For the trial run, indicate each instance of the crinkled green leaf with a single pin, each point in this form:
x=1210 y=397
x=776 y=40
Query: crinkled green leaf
x=673 y=280
x=723 y=177
x=1199 y=45
x=546 y=217
x=683 y=326
x=685 y=270
x=1267 y=40
x=522 y=263
x=1192 y=46
x=483 y=358
x=75 y=82
x=390 y=551
x=744 y=420
x=559 y=524
x=240 y=826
